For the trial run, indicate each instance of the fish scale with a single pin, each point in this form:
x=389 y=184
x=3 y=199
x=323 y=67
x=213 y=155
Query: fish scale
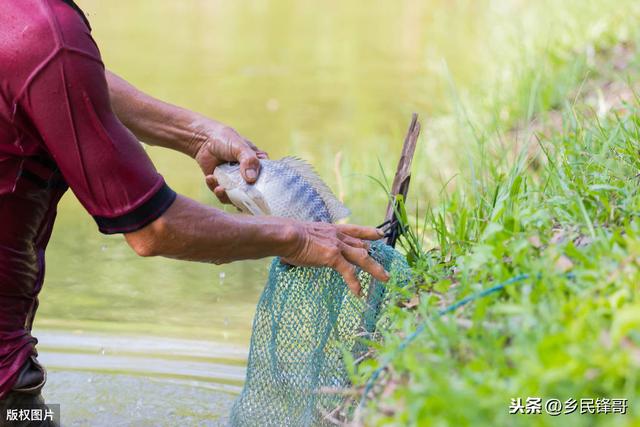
x=288 y=187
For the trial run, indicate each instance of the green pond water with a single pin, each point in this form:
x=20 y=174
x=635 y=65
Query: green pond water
x=333 y=82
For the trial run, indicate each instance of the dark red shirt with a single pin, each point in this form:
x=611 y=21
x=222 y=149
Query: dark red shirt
x=57 y=130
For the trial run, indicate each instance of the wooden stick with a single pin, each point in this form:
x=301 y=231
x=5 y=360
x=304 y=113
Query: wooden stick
x=403 y=174
x=400 y=186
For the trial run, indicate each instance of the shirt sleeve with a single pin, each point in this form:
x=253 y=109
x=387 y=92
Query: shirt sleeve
x=104 y=164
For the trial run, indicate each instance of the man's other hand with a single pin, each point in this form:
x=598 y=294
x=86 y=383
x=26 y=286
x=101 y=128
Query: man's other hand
x=341 y=247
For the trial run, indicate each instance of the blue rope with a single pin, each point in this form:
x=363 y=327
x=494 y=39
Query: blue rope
x=410 y=338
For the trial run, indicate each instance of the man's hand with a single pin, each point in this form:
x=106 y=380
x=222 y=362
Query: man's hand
x=221 y=144
x=341 y=247
x=158 y=123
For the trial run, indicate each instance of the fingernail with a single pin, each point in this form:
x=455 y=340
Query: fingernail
x=380 y=232
x=251 y=174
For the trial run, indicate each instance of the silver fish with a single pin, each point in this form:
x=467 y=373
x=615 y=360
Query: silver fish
x=288 y=187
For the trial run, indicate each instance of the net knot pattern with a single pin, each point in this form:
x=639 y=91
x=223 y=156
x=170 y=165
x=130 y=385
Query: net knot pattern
x=305 y=321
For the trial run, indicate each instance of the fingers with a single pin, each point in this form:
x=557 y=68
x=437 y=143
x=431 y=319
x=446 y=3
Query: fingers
x=360 y=232
x=348 y=272
x=228 y=145
x=221 y=195
x=212 y=182
x=249 y=164
x=352 y=241
x=219 y=192
x=361 y=258
x=259 y=153
x=339 y=247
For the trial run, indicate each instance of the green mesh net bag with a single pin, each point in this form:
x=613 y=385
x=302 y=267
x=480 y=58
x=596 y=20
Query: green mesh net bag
x=306 y=318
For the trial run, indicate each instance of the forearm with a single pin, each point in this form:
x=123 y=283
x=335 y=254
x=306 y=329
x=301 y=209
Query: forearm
x=191 y=231
x=194 y=232
x=156 y=122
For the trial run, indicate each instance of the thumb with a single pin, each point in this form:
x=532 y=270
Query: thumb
x=249 y=165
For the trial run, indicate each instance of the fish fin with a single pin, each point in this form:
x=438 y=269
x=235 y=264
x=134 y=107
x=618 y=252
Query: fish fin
x=260 y=201
x=249 y=201
x=336 y=208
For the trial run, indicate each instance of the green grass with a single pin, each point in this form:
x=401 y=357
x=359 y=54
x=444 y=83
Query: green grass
x=571 y=331
x=537 y=60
